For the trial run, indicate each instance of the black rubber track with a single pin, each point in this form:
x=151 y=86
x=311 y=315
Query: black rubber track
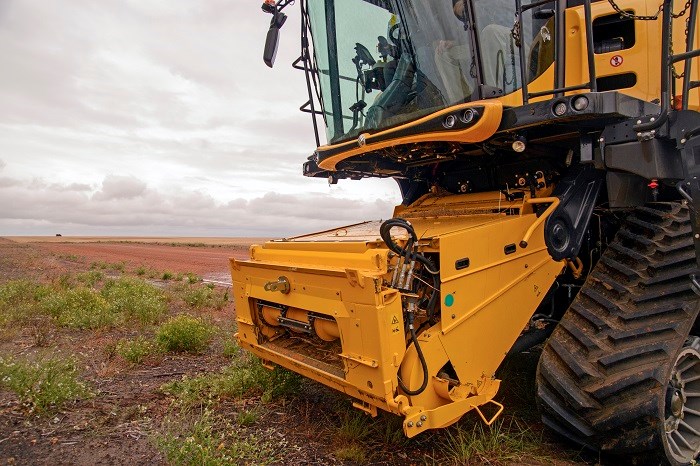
x=602 y=376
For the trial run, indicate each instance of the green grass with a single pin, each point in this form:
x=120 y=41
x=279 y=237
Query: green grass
x=231 y=348
x=200 y=297
x=506 y=441
x=248 y=417
x=91 y=278
x=19 y=301
x=206 y=439
x=136 y=350
x=167 y=276
x=355 y=426
x=184 y=334
x=42 y=386
x=353 y=453
x=192 y=278
x=244 y=377
x=121 y=301
x=135 y=299
x=82 y=308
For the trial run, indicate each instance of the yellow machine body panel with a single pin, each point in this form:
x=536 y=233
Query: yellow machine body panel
x=640 y=61
x=482 y=130
x=322 y=306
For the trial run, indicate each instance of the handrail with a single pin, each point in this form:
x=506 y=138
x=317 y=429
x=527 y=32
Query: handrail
x=690 y=40
x=560 y=87
x=668 y=59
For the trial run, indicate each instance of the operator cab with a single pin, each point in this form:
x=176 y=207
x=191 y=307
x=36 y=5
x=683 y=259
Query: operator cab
x=378 y=64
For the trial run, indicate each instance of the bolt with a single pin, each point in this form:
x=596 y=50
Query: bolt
x=639 y=122
x=697 y=236
x=410 y=424
x=453 y=316
x=419 y=424
x=683 y=141
x=601 y=140
x=639 y=135
x=423 y=417
x=652 y=119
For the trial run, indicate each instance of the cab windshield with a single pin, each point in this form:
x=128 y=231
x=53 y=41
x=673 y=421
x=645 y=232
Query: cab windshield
x=382 y=63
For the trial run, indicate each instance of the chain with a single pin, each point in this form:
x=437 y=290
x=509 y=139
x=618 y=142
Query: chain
x=654 y=17
x=515 y=32
x=625 y=14
x=687 y=27
x=683 y=12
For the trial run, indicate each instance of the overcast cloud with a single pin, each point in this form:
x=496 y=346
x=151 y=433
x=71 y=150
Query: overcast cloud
x=125 y=117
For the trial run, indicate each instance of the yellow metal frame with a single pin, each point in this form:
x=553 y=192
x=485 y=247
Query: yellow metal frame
x=347 y=281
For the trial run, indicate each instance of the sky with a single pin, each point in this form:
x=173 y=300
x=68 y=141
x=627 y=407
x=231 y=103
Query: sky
x=159 y=118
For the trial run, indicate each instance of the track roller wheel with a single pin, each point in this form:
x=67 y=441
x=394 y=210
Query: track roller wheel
x=620 y=373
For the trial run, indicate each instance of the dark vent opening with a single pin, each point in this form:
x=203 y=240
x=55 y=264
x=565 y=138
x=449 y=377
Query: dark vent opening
x=612 y=33
x=617 y=81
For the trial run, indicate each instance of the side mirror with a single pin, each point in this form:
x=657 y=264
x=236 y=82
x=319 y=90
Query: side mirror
x=273 y=38
x=271 y=43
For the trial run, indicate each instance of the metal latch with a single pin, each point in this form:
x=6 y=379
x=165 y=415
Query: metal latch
x=281 y=285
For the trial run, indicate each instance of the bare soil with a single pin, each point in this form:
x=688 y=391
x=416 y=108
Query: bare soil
x=117 y=425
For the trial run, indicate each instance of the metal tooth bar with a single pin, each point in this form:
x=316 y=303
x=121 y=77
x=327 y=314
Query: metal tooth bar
x=303 y=326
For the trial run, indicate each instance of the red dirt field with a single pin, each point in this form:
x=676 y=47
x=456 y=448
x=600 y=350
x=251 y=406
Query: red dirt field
x=210 y=259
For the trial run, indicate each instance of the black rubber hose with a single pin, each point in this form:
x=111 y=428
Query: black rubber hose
x=423 y=364
x=385 y=233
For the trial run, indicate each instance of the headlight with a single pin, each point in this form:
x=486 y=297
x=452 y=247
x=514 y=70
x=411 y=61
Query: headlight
x=449 y=121
x=580 y=103
x=559 y=108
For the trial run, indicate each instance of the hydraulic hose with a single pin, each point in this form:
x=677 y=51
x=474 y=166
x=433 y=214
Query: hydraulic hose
x=409 y=255
x=423 y=363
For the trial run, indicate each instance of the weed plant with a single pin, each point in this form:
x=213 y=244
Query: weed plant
x=135 y=299
x=135 y=351
x=184 y=334
x=353 y=453
x=82 y=308
x=91 y=278
x=506 y=441
x=212 y=440
x=231 y=348
x=19 y=301
x=42 y=386
x=244 y=377
x=200 y=297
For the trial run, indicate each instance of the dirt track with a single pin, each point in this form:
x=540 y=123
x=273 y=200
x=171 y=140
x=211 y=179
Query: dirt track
x=208 y=262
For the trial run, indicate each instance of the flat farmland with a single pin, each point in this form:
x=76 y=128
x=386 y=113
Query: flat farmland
x=121 y=350
x=207 y=257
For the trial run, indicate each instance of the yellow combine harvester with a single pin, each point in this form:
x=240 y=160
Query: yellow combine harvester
x=547 y=154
